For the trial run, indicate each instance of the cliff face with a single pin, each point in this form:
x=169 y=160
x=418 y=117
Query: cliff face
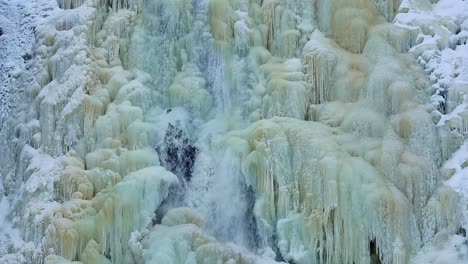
x=234 y=131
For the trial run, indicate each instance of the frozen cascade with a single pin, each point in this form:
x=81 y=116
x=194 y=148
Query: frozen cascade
x=226 y=222
x=233 y=131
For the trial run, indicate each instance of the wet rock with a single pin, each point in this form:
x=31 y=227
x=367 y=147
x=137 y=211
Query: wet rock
x=177 y=152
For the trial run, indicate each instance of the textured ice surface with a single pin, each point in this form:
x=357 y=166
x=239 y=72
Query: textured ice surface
x=298 y=131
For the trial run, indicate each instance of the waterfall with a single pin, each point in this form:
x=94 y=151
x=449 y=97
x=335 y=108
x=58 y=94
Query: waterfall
x=210 y=181
x=233 y=131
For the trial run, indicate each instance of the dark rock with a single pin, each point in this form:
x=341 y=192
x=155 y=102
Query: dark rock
x=249 y=219
x=27 y=57
x=173 y=200
x=464 y=164
x=461 y=232
x=374 y=253
x=177 y=152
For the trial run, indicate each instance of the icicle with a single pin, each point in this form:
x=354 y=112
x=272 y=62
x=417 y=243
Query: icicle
x=70 y=4
x=289 y=151
x=108 y=218
x=388 y=8
x=318 y=68
x=351 y=21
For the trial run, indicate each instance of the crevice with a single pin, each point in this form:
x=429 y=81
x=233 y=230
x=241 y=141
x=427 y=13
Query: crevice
x=461 y=232
x=374 y=252
x=249 y=219
x=275 y=248
x=70 y=4
x=174 y=199
x=26 y=57
x=442 y=107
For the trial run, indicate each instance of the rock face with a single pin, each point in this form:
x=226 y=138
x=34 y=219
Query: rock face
x=233 y=131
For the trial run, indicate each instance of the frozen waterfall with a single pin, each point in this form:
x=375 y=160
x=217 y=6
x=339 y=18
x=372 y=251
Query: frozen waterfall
x=234 y=131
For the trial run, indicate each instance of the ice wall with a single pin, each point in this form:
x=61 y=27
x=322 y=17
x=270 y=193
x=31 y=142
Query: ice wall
x=97 y=122
x=357 y=80
x=235 y=131
x=87 y=172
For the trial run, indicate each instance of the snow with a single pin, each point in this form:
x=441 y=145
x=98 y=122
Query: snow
x=32 y=204
x=443 y=52
x=15 y=16
x=455 y=251
x=458 y=167
x=447 y=67
x=33 y=198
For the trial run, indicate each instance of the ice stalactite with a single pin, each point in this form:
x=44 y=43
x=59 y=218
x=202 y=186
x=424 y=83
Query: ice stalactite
x=189 y=89
x=109 y=218
x=308 y=201
x=70 y=4
x=112 y=175
x=318 y=66
x=357 y=84
x=164 y=25
x=236 y=131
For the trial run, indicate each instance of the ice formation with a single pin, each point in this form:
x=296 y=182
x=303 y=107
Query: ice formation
x=233 y=131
